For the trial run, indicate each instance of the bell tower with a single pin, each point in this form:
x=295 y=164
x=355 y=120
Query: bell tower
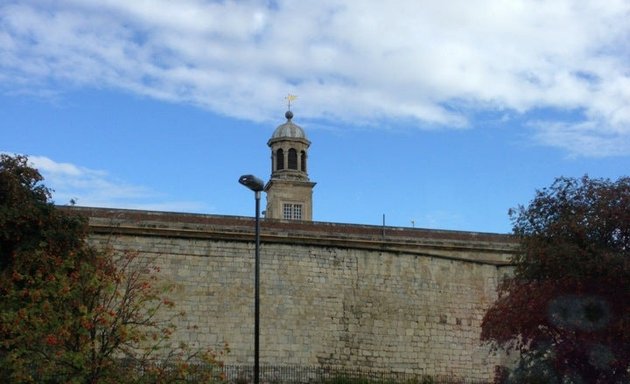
x=289 y=191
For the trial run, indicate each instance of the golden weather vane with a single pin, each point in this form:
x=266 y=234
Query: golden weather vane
x=290 y=98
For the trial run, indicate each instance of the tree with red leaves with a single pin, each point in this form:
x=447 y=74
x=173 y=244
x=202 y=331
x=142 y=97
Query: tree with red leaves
x=566 y=308
x=72 y=313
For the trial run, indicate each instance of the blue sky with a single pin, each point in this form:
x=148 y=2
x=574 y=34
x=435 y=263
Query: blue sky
x=437 y=114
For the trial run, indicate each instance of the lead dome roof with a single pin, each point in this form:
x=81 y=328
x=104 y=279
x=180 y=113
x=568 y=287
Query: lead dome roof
x=289 y=129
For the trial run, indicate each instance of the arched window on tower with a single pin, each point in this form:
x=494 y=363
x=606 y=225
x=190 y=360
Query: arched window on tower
x=279 y=159
x=303 y=161
x=292 y=163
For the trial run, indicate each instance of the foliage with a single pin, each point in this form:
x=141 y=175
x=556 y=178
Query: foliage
x=71 y=313
x=353 y=378
x=565 y=309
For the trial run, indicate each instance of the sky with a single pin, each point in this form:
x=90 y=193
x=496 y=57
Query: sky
x=431 y=114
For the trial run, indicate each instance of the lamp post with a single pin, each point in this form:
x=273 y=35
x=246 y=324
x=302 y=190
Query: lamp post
x=256 y=185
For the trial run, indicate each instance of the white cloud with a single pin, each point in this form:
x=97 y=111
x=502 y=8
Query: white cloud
x=94 y=188
x=583 y=139
x=364 y=61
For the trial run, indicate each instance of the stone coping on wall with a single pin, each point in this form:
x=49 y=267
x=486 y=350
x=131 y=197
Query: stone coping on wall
x=475 y=247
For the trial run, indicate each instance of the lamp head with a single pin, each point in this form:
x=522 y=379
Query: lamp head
x=252 y=182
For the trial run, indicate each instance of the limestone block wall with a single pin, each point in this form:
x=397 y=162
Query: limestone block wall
x=381 y=299
x=377 y=310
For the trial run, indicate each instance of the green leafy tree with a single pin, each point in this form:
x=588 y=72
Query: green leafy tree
x=75 y=314
x=566 y=309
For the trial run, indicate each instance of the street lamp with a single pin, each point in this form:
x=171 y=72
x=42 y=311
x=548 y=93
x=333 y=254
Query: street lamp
x=256 y=185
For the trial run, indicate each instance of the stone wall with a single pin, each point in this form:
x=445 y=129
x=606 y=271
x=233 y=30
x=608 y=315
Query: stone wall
x=377 y=298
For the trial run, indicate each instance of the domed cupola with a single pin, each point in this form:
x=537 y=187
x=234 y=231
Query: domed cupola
x=288 y=129
x=289 y=147
x=289 y=191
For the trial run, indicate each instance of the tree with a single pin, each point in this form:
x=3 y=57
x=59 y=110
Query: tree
x=73 y=313
x=565 y=309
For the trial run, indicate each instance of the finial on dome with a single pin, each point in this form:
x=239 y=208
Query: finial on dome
x=288 y=115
